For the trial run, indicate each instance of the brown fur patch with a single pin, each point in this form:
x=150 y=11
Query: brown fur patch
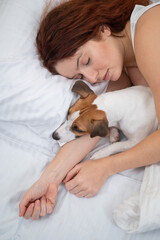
x=82 y=103
x=91 y=120
x=82 y=89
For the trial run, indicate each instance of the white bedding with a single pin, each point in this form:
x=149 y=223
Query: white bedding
x=141 y=212
x=32 y=105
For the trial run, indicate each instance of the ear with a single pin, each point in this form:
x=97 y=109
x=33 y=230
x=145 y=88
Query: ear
x=82 y=89
x=99 y=128
x=104 y=31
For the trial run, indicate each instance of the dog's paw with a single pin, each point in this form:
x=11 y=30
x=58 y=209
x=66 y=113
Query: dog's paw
x=98 y=154
x=114 y=135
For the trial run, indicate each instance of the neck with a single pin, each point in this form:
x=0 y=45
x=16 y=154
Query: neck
x=129 y=56
x=111 y=103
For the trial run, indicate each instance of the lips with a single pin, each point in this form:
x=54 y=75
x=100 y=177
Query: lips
x=106 y=77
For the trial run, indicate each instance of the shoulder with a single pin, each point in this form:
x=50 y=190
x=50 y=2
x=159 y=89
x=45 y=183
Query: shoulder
x=147 y=50
x=147 y=42
x=150 y=18
x=147 y=28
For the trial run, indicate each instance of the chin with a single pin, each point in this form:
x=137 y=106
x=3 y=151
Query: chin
x=115 y=76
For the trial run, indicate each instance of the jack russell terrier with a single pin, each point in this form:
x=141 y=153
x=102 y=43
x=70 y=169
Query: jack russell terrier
x=130 y=110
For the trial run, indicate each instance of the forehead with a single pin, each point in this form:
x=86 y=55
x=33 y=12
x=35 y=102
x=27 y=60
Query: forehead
x=68 y=67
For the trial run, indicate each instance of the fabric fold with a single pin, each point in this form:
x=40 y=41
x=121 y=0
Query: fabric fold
x=141 y=213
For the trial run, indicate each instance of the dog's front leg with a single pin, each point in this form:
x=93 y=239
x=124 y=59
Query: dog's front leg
x=114 y=135
x=114 y=148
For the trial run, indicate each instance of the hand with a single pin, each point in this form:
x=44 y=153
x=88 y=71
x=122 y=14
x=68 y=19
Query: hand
x=39 y=200
x=86 y=178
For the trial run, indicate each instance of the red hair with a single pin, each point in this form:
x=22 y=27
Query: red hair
x=71 y=24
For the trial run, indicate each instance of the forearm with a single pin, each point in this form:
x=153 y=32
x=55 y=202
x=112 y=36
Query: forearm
x=144 y=153
x=68 y=156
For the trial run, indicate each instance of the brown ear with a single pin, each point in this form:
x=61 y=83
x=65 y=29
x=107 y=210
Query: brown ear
x=99 y=128
x=82 y=89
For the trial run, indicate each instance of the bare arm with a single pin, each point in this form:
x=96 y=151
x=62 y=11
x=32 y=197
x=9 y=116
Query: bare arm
x=40 y=199
x=68 y=156
x=145 y=153
x=147 y=51
x=89 y=176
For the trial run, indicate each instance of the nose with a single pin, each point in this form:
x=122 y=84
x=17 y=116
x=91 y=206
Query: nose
x=90 y=75
x=55 y=136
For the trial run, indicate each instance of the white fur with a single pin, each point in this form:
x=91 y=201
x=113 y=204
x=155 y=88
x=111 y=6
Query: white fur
x=64 y=132
x=131 y=110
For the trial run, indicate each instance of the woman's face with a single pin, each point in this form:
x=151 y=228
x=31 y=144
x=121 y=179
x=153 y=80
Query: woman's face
x=96 y=61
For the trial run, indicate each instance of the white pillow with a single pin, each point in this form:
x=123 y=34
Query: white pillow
x=29 y=95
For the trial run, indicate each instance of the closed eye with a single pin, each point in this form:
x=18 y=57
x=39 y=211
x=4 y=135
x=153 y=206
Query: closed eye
x=75 y=128
x=88 y=61
x=68 y=114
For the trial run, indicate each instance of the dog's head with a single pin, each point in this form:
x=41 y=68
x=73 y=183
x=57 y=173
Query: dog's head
x=83 y=117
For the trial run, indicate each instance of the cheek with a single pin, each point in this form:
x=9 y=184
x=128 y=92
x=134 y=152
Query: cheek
x=118 y=56
x=100 y=58
x=102 y=61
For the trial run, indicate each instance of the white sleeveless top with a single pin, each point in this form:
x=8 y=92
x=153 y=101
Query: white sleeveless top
x=136 y=14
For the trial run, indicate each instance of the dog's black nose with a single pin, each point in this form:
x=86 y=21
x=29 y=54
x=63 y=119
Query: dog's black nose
x=55 y=136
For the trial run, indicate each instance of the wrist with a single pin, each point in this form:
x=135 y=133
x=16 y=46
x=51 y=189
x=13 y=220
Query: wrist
x=51 y=175
x=116 y=163
x=107 y=166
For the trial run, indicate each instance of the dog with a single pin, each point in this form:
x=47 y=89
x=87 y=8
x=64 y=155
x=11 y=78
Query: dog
x=130 y=110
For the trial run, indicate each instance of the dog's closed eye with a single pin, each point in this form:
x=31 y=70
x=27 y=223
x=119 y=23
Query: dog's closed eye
x=68 y=112
x=76 y=128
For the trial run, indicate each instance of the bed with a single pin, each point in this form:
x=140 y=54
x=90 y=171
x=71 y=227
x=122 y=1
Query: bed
x=33 y=103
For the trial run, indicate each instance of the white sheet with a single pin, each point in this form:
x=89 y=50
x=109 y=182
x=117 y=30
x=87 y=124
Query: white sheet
x=141 y=212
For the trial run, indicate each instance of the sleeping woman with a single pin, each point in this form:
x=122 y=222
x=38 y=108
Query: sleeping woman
x=105 y=40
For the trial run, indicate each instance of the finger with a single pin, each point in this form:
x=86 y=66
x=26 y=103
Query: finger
x=23 y=206
x=49 y=207
x=81 y=194
x=43 y=203
x=36 y=211
x=71 y=185
x=22 y=210
x=72 y=173
x=76 y=190
x=29 y=211
x=89 y=195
